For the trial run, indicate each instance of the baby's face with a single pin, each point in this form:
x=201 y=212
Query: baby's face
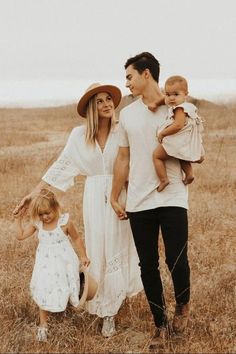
x=174 y=94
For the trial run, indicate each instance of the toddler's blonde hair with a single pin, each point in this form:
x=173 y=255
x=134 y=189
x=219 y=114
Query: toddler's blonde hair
x=46 y=199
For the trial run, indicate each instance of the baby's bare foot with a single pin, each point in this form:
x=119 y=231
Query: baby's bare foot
x=163 y=185
x=188 y=179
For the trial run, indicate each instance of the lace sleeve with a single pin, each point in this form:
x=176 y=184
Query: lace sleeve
x=62 y=172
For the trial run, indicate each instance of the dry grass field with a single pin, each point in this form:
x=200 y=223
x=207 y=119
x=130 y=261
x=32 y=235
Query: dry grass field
x=30 y=140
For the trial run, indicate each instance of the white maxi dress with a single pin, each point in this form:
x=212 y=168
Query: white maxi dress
x=109 y=241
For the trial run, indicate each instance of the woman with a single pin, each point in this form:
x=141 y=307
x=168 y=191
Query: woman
x=91 y=151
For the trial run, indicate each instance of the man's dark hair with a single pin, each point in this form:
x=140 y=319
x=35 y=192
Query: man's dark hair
x=143 y=61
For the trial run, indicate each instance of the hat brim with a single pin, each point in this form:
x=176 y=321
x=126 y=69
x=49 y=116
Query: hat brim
x=112 y=90
x=88 y=286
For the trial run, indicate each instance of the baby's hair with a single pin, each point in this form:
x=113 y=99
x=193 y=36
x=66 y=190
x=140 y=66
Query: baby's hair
x=46 y=199
x=177 y=79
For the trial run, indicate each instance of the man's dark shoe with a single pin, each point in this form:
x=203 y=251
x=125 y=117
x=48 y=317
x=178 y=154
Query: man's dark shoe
x=181 y=318
x=159 y=339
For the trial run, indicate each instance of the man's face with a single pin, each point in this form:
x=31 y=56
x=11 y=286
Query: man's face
x=134 y=81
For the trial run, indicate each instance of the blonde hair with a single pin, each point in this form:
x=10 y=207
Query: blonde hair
x=92 y=121
x=46 y=199
x=177 y=79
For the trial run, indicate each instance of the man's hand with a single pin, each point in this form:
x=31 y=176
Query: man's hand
x=119 y=210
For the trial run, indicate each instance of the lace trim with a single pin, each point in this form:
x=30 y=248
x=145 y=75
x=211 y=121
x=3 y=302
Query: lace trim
x=116 y=263
x=59 y=168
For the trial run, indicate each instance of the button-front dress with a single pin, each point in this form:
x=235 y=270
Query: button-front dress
x=55 y=278
x=109 y=241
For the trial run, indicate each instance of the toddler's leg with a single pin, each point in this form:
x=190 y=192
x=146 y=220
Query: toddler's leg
x=43 y=317
x=159 y=156
x=188 y=170
x=42 y=329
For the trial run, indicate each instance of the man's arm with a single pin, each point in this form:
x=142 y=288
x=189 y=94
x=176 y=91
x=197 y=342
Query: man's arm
x=121 y=172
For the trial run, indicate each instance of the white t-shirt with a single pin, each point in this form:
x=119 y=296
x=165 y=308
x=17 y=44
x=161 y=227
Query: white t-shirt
x=137 y=130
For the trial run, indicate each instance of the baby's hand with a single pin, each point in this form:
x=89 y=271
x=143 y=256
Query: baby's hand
x=85 y=261
x=160 y=137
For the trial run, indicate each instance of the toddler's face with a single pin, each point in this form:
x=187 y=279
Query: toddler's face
x=174 y=94
x=47 y=215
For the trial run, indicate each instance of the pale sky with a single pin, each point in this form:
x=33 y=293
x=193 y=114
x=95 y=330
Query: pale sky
x=92 y=39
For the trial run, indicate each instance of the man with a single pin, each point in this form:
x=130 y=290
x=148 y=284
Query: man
x=148 y=209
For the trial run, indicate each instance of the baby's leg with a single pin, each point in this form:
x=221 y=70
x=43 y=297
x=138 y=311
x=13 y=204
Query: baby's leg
x=159 y=156
x=188 y=170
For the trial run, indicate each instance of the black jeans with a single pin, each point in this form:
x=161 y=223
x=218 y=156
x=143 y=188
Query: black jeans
x=145 y=226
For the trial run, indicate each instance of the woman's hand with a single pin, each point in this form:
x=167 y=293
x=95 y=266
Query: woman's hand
x=23 y=205
x=20 y=214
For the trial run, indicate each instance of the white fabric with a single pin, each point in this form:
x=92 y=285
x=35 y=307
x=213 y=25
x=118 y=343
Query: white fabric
x=109 y=241
x=55 y=278
x=187 y=143
x=138 y=127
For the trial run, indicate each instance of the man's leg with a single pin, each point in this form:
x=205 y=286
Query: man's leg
x=145 y=229
x=174 y=224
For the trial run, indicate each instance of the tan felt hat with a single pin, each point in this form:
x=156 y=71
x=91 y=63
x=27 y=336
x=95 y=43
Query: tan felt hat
x=88 y=286
x=93 y=90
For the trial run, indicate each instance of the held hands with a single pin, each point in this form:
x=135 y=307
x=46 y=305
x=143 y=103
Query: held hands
x=85 y=261
x=119 y=210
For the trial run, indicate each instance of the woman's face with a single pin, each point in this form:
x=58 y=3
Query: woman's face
x=105 y=105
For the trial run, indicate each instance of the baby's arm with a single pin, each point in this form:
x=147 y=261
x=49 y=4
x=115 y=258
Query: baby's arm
x=23 y=231
x=177 y=125
x=78 y=243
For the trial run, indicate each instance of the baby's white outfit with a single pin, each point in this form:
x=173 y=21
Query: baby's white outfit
x=55 y=278
x=186 y=144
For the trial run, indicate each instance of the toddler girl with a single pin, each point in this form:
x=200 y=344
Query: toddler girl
x=55 y=278
x=180 y=135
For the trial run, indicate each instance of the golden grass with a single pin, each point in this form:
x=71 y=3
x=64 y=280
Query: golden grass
x=31 y=140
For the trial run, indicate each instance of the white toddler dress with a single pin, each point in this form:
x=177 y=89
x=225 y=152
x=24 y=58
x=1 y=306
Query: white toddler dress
x=187 y=143
x=55 y=278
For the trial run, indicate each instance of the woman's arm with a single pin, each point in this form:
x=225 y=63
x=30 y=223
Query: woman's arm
x=23 y=232
x=177 y=125
x=78 y=243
